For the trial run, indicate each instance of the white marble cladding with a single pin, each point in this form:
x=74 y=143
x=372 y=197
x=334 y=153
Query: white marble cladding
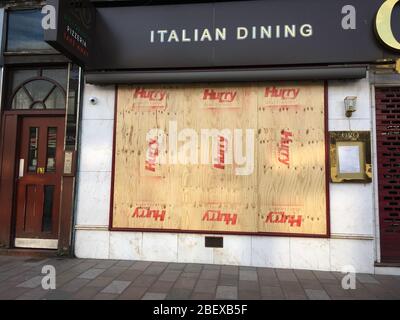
x=352 y=209
x=95 y=160
x=104 y=108
x=351 y=205
x=337 y=92
x=258 y=251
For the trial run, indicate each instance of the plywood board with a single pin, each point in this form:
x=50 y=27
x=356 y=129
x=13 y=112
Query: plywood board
x=246 y=158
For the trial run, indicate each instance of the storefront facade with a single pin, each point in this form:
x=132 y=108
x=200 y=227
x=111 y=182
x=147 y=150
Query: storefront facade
x=351 y=240
x=225 y=138
x=267 y=220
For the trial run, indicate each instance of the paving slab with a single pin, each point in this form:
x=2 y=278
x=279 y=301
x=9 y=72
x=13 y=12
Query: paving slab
x=170 y=275
x=154 y=296
x=185 y=283
x=317 y=294
x=286 y=275
x=133 y=293
x=178 y=294
x=74 y=285
x=161 y=286
x=31 y=283
x=116 y=287
x=205 y=286
x=366 y=278
x=248 y=275
x=227 y=293
x=272 y=293
x=91 y=274
x=209 y=274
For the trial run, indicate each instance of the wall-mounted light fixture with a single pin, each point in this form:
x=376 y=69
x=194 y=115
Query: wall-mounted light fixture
x=350 y=105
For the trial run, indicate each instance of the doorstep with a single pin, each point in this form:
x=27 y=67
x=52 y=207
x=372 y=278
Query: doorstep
x=28 y=252
x=387 y=268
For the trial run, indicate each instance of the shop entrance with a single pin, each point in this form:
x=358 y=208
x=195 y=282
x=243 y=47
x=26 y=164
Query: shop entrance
x=388 y=149
x=32 y=157
x=38 y=187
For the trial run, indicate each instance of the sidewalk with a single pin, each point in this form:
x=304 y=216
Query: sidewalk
x=20 y=278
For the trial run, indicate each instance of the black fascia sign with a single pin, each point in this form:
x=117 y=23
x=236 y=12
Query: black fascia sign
x=236 y=34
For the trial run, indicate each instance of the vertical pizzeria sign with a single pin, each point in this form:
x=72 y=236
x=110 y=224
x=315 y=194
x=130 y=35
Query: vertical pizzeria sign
x=221 y=158
x=74 y=29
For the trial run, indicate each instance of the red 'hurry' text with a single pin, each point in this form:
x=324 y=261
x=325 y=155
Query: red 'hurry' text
x=157 y=215
x=151 y=95
x=152 y=155
x=219 y=216
x=222 y=145
x=220 y=96
x=283 y=93
x=282 y=217
x=284 y=150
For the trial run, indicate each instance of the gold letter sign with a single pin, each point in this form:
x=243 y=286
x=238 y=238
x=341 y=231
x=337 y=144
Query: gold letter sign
x=383 y=24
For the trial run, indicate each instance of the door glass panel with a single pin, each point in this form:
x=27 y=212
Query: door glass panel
x=33 y=149
x=39 y=94
x=18 y=76
x=39 y=89
x=58 y=75
x=56 y=99
x=47 y=219
x=21 y=100
x=51 y=149
x=37 y=105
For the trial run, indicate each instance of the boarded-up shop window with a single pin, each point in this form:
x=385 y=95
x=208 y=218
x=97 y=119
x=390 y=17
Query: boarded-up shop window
x=221 y=158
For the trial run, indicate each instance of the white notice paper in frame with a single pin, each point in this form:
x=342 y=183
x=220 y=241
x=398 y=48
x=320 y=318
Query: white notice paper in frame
x=349 y=159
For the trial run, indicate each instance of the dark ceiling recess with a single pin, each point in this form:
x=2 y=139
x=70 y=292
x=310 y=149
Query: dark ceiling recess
x=114 y=3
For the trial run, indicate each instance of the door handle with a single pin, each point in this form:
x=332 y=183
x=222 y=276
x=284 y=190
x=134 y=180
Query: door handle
x=21 y=168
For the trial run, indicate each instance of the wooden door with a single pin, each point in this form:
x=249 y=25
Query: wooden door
x=388 y=149
x=39 y=168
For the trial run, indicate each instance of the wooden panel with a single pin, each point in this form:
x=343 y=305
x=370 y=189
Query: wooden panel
x=291 y=167
x=257 y=161
x=30 y=224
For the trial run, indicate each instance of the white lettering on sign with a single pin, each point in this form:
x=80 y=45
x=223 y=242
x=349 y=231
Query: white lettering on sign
x=240 y=33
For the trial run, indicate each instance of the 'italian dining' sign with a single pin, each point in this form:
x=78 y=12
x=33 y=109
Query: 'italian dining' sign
x=229 y=34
